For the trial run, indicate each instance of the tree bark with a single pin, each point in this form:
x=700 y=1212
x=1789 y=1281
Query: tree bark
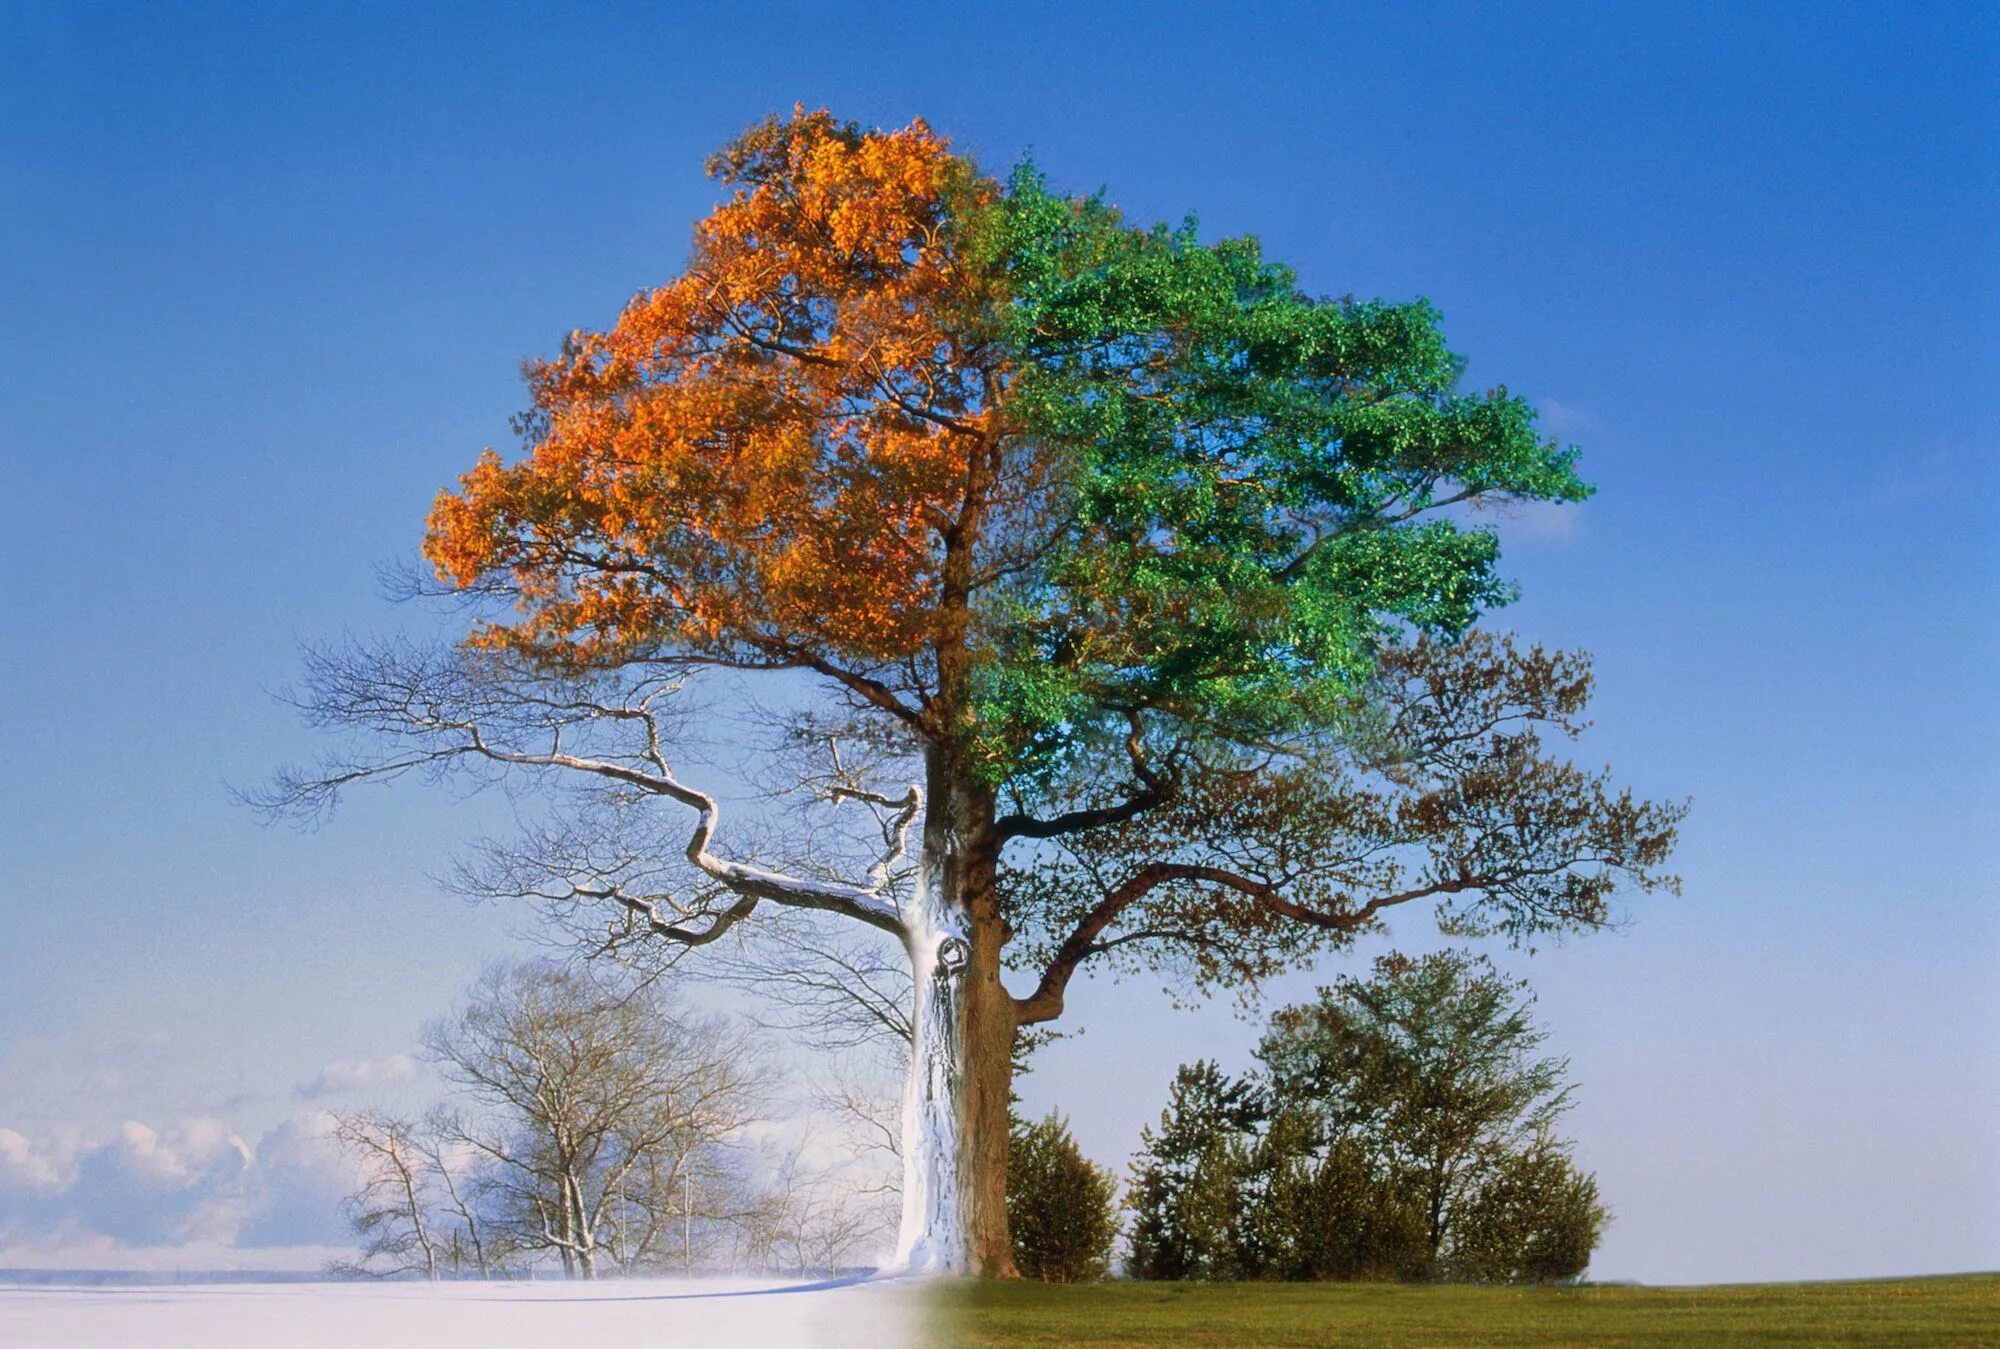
x=961 y=1062
x=586 y=1236
x=933 y=1237
x=988 y=1028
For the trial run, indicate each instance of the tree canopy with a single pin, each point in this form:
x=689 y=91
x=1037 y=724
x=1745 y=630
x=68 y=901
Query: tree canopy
x=1126 y=523
x=893 y=403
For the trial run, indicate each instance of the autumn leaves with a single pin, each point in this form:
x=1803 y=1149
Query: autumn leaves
x=758 y=455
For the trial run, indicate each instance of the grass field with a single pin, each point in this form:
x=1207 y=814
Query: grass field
x=1958 y=1310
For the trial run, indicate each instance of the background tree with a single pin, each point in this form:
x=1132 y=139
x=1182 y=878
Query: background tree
x=1402 y=1128
x=1315 y=1207
x=1186 y=1187
x=1093 y=537
x=602 y=1115
x=1427 y=1071
x=459 y=1186
x=600 y=1122
x=815 y=1220
x=391 y=1210
x=1534 y=1218
x=1062 y=1208
x=424 y=1203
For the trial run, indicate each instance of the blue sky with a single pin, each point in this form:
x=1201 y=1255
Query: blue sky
x=268 y=272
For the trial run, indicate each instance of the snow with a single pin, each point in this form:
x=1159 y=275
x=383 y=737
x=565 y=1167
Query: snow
x=932 y=1239
x=830 y=1314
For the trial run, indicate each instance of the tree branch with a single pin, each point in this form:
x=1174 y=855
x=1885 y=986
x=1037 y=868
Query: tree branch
x=1046 y=1002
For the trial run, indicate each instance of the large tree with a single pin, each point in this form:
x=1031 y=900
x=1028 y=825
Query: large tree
x=1125 y=572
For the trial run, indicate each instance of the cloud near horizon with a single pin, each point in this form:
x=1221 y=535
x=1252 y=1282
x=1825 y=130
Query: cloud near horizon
x=193 y=1186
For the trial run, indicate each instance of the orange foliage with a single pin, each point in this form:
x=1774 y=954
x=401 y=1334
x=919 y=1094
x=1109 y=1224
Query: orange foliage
x=760 y=453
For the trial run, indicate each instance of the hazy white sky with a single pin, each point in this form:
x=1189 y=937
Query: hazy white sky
x=268 y=279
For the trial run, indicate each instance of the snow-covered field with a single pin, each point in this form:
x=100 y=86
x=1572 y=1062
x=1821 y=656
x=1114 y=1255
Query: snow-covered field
x=863 y=1313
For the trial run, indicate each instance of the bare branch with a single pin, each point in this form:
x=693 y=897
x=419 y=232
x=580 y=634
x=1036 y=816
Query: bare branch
x=435 y=710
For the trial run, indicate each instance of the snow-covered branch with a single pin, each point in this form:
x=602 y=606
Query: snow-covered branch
x=436 y=710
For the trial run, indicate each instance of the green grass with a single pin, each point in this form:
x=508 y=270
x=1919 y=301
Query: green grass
x=1957 y=1310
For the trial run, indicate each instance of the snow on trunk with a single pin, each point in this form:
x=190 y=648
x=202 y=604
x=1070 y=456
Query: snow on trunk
x=933 y=1237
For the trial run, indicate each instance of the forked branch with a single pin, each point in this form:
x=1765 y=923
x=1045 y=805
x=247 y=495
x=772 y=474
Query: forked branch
x=437 y=710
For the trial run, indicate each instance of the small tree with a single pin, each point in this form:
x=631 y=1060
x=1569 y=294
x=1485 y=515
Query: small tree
x=390 y=1211
x=1429 y=1070
x=1332 y=1211
x=813 y=1220
x=424 y=1202
x=1536 y=1218
x=1062 y=1208
x=1187 y=1179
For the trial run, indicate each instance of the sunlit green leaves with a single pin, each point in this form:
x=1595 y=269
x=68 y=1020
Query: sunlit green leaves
x=1255 y=479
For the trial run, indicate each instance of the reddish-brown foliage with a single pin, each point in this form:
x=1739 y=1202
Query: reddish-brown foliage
x=757 y=455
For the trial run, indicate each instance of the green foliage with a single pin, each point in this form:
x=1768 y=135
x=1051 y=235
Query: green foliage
x=1429 y=1070
x=1186 y=1185
x=1245 y=465
x=1429 y=1057
x=1327 y=1212
x=1062 y=1208
x=1402 y=1129
x=1534 y=1218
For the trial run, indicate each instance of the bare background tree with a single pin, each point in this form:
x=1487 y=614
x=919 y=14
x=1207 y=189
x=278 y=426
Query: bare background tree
x=599 y=1122
x=420 y=1206
x=391 y=1208
x=597 y=1109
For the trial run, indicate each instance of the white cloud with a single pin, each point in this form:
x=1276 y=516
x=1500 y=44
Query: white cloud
x=195 y=1186
x=196 y=1149
x=359 y=1075
x=302 y=1176
x=32 y=1168
x=188 y=1182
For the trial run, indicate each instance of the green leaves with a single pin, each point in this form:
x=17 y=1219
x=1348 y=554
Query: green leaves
x=1253 y=479
x=1431 y=1068
x=1184 y=1183
x=1062 y=1208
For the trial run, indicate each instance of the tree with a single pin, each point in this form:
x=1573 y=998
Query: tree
x=1535 y=1218
x=1319 y=1208
x=814 y=1222
x=1094 y=539
x=390 y=1211
x=1427 y=1072
x=1402 y=1128
x=1186 y=1189
x=1062 y=1208
x=421 y=1206
x=600 y=1114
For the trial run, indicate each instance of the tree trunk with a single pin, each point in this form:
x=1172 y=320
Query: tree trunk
x=961 y=1062
x=987 y=1042
x=933 y=1237
x=586 y=1239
